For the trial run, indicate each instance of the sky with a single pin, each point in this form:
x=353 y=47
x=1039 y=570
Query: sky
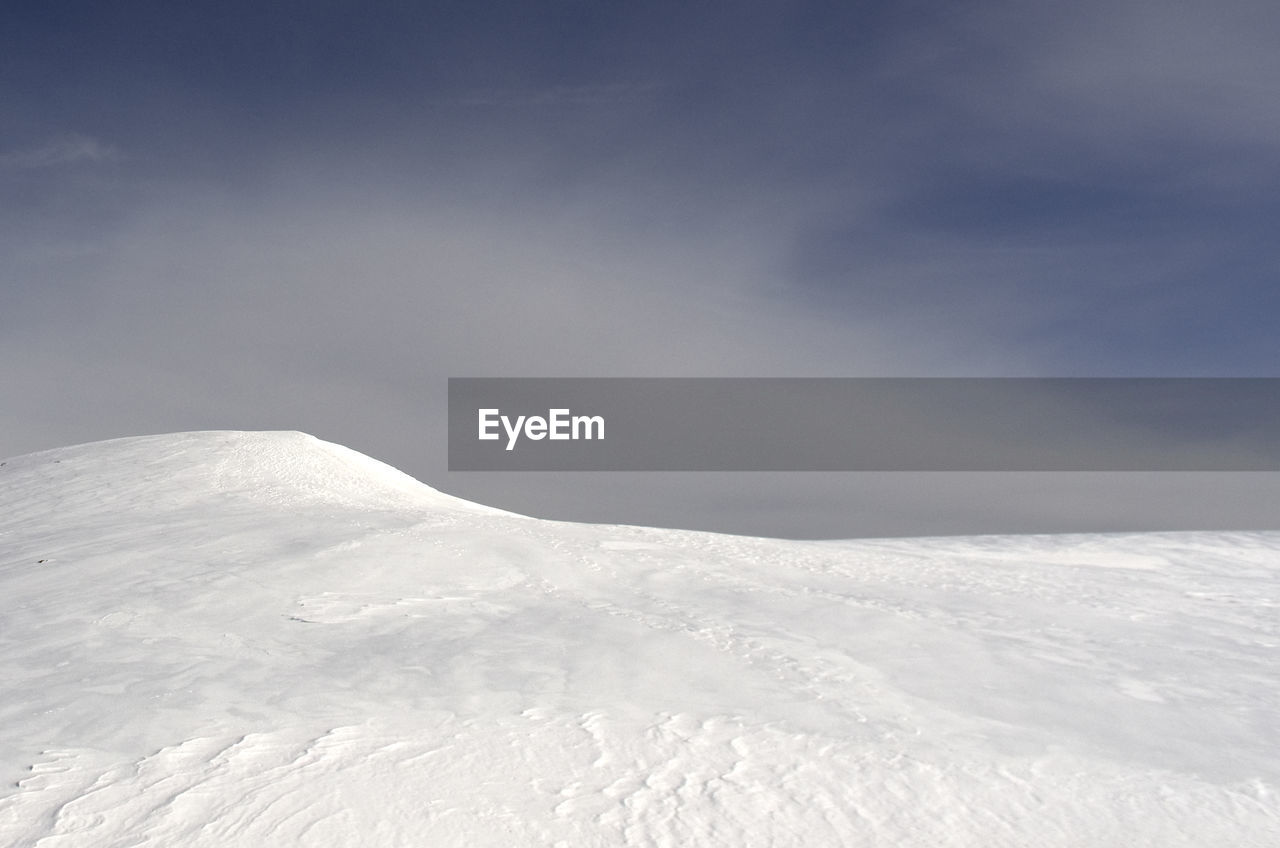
x=309 y=215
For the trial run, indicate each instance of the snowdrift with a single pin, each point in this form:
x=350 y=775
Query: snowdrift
x=224 y=638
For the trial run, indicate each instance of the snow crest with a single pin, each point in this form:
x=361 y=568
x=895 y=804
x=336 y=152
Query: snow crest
x=218 y=638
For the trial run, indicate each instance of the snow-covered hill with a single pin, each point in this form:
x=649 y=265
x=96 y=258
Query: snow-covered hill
x=263 y=639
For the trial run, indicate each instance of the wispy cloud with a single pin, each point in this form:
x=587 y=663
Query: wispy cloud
x=594 y=94
x=320 y=217
x=66 y=149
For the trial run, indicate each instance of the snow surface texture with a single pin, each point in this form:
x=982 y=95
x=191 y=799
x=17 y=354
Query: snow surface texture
x=222 y=638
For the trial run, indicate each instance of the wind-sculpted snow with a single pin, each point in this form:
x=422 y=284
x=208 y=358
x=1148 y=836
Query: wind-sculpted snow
x=567 y=780
x=261 y=638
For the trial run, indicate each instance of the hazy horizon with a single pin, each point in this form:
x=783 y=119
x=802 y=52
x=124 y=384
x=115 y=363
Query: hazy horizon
x=309 y=216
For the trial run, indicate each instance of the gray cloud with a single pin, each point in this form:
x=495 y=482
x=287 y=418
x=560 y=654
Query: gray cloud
x=590 y=94
x=316 y=235
x=65 y=149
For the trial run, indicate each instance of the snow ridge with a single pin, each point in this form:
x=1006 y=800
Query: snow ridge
x=216 y=638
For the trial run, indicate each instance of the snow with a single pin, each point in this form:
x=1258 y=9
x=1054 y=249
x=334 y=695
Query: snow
x=265 y=639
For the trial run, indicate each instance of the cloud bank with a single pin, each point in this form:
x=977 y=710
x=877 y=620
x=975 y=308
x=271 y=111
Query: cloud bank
x=324 y=212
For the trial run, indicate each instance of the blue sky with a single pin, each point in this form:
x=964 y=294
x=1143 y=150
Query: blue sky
x=307 y=215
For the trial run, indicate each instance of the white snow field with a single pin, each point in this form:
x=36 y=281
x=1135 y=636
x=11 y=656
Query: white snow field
x=262 y=639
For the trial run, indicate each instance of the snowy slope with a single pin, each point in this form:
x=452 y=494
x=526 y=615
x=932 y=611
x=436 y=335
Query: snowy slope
x=263 y=639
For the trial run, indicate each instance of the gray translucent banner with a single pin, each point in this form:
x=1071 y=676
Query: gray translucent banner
x=864 y=424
